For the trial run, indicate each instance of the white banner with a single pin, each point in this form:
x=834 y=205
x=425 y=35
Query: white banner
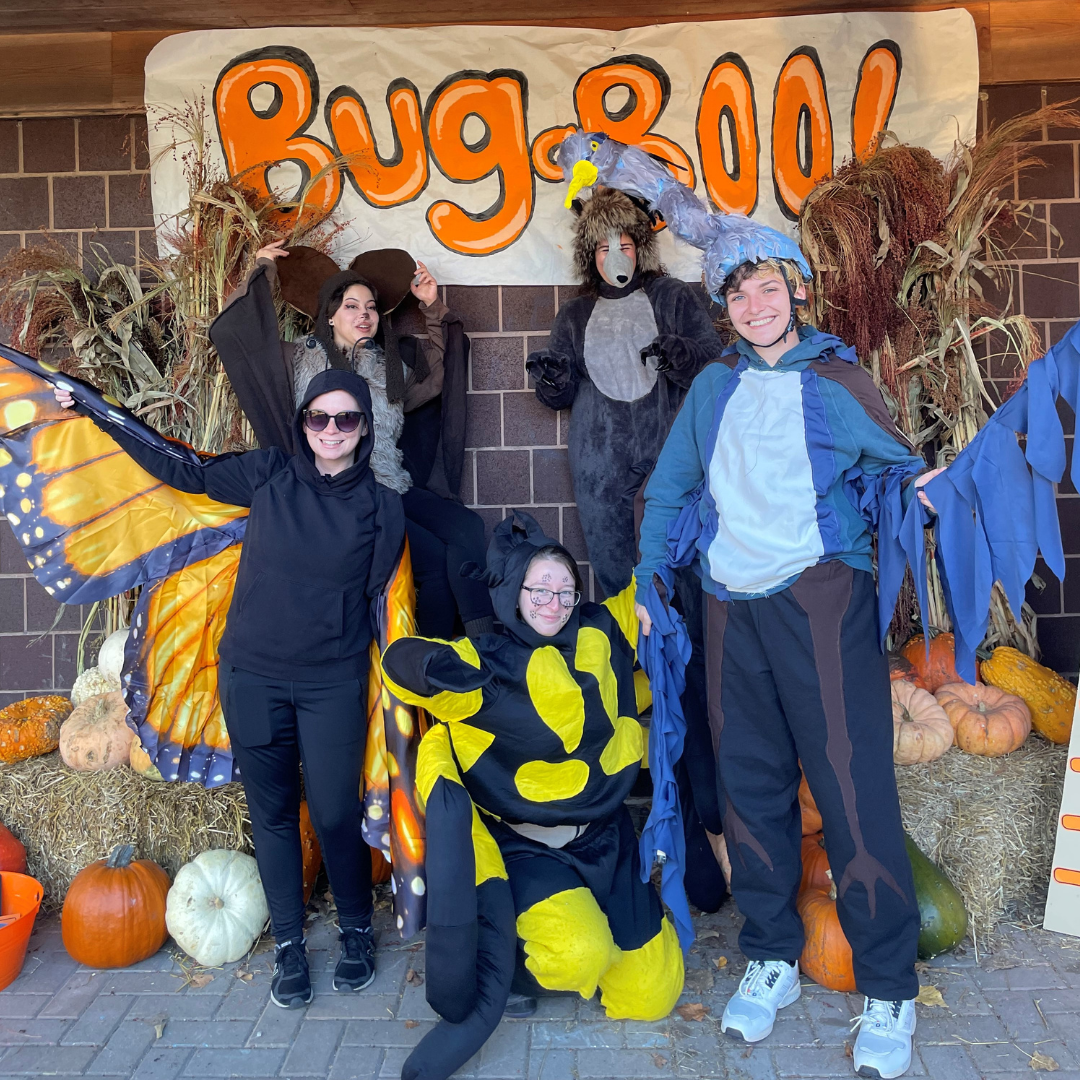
x=442 y=137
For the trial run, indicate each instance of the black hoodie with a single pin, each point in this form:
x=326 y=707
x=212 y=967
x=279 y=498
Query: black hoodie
x=316 y=550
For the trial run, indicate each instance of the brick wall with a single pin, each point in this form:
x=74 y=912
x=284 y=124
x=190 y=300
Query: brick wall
x=85 y=181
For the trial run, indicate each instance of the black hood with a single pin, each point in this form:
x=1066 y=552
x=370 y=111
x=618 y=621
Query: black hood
x=514 y=543
x=323 y=383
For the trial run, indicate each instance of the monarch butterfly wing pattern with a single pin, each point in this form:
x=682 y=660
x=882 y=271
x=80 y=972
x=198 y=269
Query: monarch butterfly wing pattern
x=376 y=789
x=93 y=524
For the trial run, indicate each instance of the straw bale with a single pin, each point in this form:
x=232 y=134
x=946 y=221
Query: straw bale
x=989 y=823
x=68 y=819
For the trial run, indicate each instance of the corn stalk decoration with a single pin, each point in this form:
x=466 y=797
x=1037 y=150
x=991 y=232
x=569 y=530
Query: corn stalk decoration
x=903 y=247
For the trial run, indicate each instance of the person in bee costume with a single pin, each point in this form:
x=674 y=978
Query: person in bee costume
x=534 y=879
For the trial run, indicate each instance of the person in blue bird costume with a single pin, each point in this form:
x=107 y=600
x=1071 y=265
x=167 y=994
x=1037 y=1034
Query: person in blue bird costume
x=534 y=880
x=763 y=466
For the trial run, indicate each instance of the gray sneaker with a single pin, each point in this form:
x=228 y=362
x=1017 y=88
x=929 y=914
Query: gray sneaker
x=768 y=985
x=883 y=1046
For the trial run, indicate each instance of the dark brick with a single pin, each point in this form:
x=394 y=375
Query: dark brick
x=534 y=342
x=468 y=479
x=1070 y=587
x=478 y=306
x=78 y=202
x=142 y=142
x=551 y=477
x=492 y=515
x=24 y=203
x=42 y=609
x=1068 y=421
x=483 y=420
x=105 y=144
x=1047 y=600
x=8 y=243
x=1005 y=102
x=1058 y=92
x=598 y=594
x=12 y=559
x=997 y=293
x=1026 y=236
x=12 y=620
x=118 y=246
x=1004 y=363
x=26 y=663
x=573 y=538
x=1065 y=217
x=45 y=239
x=526 y=422
x=1056 y=180
x=568 y=292
x=1056 y=331
x=527 y=307
x=547 y=518
x=1051 y=291
x=9 y=146
x=129 y=201
x=502 y=477
x=10 y=699
x=48 y=146
x=65 y=652
x=1069 y=516
x=497 y=363
x=1059 y=640
x=148 y=249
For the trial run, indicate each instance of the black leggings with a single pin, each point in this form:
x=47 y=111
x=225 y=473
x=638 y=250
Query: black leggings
x=443 y=535
x=274 y=726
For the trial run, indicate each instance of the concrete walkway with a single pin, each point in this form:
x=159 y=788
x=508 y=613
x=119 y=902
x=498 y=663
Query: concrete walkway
x=1003 y=1016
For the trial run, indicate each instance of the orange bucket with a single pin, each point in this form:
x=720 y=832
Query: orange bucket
x=20 y=895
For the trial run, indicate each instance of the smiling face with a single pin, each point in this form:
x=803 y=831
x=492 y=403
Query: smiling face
x=334 y=450
x=556 y=577
x=356 y=319
x=760 y=307
x=619 y=271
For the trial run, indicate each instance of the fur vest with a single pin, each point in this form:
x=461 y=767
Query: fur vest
x=387 y=464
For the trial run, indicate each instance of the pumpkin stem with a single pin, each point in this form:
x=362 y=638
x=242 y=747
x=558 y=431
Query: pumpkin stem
x=120 y=856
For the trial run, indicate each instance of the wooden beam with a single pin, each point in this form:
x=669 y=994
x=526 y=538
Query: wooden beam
x=95 y=68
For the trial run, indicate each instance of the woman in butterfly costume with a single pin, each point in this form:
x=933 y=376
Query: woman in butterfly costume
x=534 y=879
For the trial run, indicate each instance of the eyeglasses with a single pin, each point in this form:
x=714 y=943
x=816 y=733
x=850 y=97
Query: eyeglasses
x=542 y=597
x=314 y=420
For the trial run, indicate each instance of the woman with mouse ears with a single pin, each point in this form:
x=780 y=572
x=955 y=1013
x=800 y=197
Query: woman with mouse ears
x=417 y=393
x=322 y=539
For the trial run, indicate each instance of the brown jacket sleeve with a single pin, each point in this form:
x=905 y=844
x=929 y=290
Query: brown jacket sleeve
x=420 y=393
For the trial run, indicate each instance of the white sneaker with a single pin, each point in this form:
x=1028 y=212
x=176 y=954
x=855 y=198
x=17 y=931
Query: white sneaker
x=768 y=985
x=883 y=1047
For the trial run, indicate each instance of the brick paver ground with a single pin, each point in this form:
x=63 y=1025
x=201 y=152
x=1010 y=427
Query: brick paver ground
x=162 y=1019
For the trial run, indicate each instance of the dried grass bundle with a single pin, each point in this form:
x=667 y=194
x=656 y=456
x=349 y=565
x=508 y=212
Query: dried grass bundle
x=989 y=823
x=67 y=819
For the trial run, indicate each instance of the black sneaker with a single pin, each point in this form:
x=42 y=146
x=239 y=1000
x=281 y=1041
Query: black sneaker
x=291 y=985
x=519 y=1007
x=356 y=966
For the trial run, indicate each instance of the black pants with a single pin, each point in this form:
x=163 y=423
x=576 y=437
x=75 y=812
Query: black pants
x=443 y=535
x=275 y=726
x=799 y=676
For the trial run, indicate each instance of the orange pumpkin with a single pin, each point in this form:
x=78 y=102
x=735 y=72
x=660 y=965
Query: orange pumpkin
x=310 y=850
x=380 y=868
x=114 y=911
x=31 y=728
x=826 y=956
x=902 y=668
x=815 y=863
x=12 y=852
x=96 y=736
x=811 y=819
x=940 y=667
x=987 y=721
x=921 y=729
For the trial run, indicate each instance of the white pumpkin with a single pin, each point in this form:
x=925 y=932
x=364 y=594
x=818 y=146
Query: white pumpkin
x=91 y=683
x=110 y=659
x=216 y=908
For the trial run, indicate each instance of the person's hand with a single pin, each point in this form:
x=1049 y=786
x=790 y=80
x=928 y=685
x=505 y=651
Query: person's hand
x=925 y=479
x=64 y=398
x=273 y=251
x=643 y=618
x=424 y=287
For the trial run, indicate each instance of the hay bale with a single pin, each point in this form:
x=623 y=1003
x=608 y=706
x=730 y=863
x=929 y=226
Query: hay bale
x=989 y=823
x=68 y=819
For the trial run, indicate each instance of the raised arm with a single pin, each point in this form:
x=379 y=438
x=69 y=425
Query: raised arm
x=433 y=344
x=445 y=677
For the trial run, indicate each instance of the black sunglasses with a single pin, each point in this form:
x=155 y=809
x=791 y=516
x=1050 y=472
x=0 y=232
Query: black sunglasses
x=314 y=420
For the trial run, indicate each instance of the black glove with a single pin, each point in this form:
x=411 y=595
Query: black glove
x=549 y=368
x=671 y=352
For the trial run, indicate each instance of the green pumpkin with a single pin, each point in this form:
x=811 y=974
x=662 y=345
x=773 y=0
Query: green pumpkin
x=942 y=916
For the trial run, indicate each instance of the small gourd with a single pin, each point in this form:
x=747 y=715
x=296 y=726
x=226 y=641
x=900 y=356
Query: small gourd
x=216 y=908
x=31 y=728
x=942 y=915
x=110 y=659
x=1050 y=698
x=141 y=762
x=96 y=735
x=92 y=683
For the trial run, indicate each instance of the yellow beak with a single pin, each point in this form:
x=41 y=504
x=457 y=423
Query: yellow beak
x=585 y=173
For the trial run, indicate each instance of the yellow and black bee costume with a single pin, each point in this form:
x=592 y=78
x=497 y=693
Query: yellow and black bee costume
x=539 y=733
